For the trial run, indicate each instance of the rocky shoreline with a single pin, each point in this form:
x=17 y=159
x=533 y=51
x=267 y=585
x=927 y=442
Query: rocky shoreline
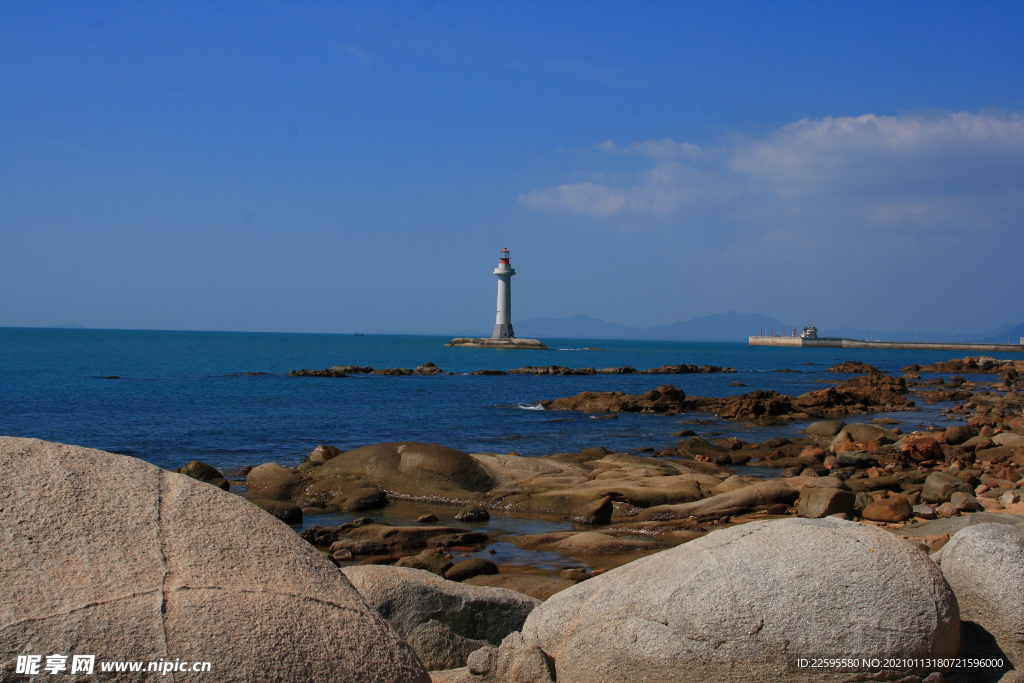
x=714 y=560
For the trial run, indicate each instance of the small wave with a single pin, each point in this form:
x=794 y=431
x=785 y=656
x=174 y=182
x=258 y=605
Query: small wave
x=529 y=406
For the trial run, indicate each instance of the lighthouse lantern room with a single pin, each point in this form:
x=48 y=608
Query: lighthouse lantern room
x=503 y=320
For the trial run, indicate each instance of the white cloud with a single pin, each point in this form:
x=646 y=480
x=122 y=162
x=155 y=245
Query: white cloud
x=937 y=169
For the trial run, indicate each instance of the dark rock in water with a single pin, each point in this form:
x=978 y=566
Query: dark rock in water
x=488 y=372
x=595 y=512
x=200 y=471
x=328 y=372
x=286 y=512
x=467 y=569
x=431 y=560
x=164 y=563
x=854 y=367
x=392 y=372
x=428 y=368
x=427 y=518
x=473 y=513
x=664 y=399
x=621 y=370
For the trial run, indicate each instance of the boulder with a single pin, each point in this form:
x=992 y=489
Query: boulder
x=725 y=608
x=891 y=509
x=1009 y=439
x=939 y=486
x=200 y=471
x=827 y=428
x=958 y=434
x=431 y=560
x=984 y=565
x=271 y=481
x=472 y=513
x=740 y=501
x=853 y=367
x=817 y=502
x=467 y=569
x=109 y=555
x=323 y=453
x=443 y=621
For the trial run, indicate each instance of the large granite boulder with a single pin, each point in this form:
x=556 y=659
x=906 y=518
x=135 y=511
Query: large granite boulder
x=417 y=470
x=107 y=555
x=444 y=621
x=741 y=604
x=984 y=565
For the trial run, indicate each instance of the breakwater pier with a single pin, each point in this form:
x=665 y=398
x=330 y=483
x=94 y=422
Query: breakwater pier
x=839 y=342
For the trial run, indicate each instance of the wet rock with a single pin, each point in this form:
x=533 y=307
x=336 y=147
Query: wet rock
x=984 y=565
x=428 y=368
x=595 y=512
x=710 y=594
x=467 y=569
x=443 y=621
x=473 y=513
x=431 y=560
x=427 y=518
x=200 y=471
x=535 y=585
x=286 y=512
x=244 y=588
x=323 y=453
x=853 y=366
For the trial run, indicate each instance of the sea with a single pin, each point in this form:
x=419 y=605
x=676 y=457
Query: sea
x=183 y=396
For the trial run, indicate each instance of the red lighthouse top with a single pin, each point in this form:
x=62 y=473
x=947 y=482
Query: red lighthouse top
x=504 y=256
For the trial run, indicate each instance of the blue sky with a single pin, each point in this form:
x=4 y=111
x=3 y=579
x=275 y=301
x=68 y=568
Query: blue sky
x=338 y=167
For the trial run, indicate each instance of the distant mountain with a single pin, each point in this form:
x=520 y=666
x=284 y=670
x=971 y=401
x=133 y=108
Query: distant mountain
x=730 y=326
x=1005 y=335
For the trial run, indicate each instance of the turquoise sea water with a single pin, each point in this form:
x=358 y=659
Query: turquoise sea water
x=176 y=402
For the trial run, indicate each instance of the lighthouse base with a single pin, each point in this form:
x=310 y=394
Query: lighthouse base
x=490 y=343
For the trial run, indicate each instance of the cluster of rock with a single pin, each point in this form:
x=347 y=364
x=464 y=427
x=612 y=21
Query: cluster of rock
x=724 y=608
x=431 y=369
x=971 y=366
x=720 y=607
x=872 y=393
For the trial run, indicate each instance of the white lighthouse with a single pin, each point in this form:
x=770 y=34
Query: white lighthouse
x=503 y=320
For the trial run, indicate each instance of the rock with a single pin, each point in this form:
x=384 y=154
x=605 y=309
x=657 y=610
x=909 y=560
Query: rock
x=827 y=428
x=701 y=612
x=1010 y=498
x=354 y=500
x=740 y=501
x=271 y=481
x=853 y=366
x=595 y=512
x=816 y=502
x=923 y=511
x=574 y=574
x=892 y=509
x=286 y=512
x=427 y=518
x=166 y=566
x=1009 y=440
x=428 y=368
x=964 y=502
x=467 y=569
x=443 y=621
x=538 y=586
x=323 y=453
x=664 y=399
x=431 y=560
x=413 y=470
x=958 y=434
x=200 y=471
x=861 y=431
x=946 y=510
x=920 y=448
x=473 y=513
x=939 y=486
x=855 y=459
x=984 y=565
x=952 y=526
x=359 y=547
